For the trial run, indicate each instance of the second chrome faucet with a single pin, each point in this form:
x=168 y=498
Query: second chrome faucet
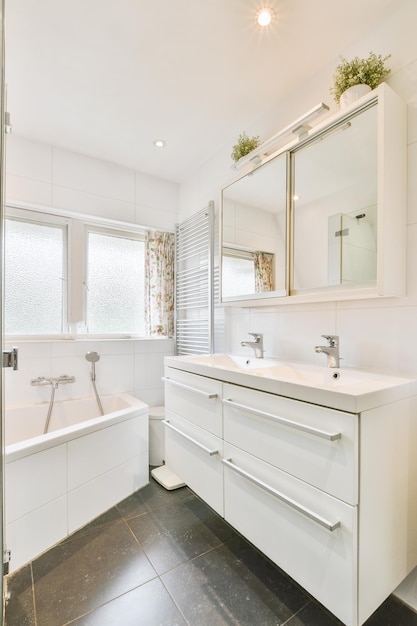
x=332 y=350
x=257 y=345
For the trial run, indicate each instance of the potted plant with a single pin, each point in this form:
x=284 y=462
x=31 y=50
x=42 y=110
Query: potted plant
x=370 y=71
x=243 y=146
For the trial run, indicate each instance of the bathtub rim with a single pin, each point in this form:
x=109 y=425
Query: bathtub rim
x=27 y=447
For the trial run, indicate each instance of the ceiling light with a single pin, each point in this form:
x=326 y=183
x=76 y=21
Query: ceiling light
x=264 y=16
x=159 y=143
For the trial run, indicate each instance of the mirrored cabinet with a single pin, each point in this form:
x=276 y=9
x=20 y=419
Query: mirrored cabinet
x=254 y=233
x=334 y=192
x=324 y=217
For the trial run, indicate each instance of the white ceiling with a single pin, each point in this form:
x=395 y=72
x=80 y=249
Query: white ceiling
x=108 y=77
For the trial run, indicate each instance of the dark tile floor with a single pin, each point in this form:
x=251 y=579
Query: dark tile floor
x=164 y=558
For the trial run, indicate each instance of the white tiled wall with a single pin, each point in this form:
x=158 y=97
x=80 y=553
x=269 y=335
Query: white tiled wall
x=250 y=227
x=45 y=175
x=133 y=366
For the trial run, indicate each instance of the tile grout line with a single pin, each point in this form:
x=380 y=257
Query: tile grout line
x=32 y=578
x=174 y=601
x=158 y=575
x=288 y=621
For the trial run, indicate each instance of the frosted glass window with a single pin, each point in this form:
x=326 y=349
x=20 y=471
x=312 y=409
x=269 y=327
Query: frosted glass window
x=238 y=276
x=35 y=278
x=115 y=293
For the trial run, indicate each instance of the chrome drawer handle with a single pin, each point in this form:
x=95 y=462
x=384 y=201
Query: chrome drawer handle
x=200 y=392
x=280 y=496
x=285 y=422
x=196 y=443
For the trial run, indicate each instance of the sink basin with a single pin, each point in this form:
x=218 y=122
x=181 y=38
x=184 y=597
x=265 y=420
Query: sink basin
x=317 y=376
x=346 y=380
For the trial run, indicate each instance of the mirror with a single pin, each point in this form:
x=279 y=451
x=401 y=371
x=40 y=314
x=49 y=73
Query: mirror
x=333 y=229
x=335 y=207
x=253 y=259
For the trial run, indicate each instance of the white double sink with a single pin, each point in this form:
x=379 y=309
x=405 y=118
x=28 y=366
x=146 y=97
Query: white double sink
x=343 y=388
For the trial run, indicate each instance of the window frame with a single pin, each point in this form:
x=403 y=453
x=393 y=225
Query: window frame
x=243 y=254
x=122 y=233
x=35 y=217
x=77 y=225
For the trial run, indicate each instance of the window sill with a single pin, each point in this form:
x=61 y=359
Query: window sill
x=121 y=337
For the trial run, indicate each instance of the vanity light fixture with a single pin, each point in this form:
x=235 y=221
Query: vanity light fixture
x=300 y=127
x=265 y=16
x=334 y=131
x=159 y=143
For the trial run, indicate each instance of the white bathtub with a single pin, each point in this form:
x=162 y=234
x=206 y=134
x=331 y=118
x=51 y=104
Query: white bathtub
x=84 y=465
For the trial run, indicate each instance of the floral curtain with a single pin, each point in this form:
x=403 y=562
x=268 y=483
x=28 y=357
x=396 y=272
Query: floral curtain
x=263 y=271
x=159 y=284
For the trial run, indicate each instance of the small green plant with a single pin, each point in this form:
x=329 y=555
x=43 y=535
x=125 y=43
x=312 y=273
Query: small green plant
x=371 y=71
x=244 y=145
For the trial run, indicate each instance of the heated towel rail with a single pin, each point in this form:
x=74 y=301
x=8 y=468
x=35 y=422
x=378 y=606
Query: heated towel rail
x=194 y=283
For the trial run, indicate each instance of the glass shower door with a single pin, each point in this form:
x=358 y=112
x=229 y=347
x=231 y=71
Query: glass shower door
x=358 y=249
x=2 y=197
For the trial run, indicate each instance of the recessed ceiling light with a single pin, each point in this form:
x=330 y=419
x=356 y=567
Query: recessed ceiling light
x=159 y=143
x=265 y=16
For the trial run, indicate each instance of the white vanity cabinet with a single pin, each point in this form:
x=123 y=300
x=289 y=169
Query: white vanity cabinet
x=329 y=495
x=313 y=443
x=309 y=534
x=193 y=433
x=291 y=488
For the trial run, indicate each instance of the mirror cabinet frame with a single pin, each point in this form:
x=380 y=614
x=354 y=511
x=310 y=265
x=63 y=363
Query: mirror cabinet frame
x=391 y=206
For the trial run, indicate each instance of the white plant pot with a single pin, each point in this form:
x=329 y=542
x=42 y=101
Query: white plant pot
x=352 y=94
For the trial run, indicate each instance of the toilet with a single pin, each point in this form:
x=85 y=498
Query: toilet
x=156 y=435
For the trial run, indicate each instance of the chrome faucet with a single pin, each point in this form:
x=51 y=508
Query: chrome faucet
x=257 y=345
x=61 y=380
x=332 y=350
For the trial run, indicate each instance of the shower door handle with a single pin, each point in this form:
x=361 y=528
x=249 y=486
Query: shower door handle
x=11 y=358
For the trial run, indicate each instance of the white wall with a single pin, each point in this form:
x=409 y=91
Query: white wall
x=249 y=227
x=126 y=365
x=51 y=177
x=373 y=334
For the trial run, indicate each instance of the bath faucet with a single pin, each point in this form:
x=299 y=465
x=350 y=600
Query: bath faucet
x=65 y=379
x=257 y=345
x=41 y=380
x=61 y=380
x=332 y=350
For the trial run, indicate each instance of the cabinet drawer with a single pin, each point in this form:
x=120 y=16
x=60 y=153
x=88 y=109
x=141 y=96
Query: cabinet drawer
x=313 y=443
x=196 y=456
x=196 y=398
x=295 y=533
